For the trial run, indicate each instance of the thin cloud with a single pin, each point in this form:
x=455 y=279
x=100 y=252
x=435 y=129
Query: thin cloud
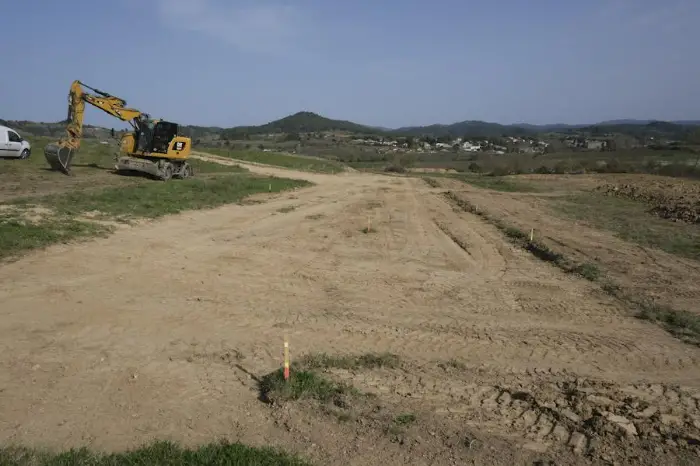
x=643 y=14
x=261 y=26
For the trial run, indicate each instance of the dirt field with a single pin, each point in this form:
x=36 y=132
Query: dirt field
x=161 y=331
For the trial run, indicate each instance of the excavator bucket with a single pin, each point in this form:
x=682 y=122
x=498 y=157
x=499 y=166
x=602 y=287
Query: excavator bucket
x=59 y=158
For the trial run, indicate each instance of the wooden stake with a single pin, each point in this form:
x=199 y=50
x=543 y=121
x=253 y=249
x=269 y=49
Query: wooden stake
x=286 y=359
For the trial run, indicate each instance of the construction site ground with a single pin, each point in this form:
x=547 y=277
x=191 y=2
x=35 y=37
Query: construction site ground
x=163 y=330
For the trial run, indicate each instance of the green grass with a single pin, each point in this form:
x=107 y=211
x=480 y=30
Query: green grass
x=201 y=166
x=155 y=199
x=629 y=220
x=302 y=384
x=683 y=324
x=405 y=419
x=62 y=222
x=17 y=235
x=496 y=183
x=589 y=271
x=306 y=383
x=158 y=453
x=280 y=160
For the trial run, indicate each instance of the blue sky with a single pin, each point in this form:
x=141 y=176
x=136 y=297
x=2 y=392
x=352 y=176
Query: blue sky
x=386 y=63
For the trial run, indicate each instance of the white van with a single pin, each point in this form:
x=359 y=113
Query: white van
x=13 y=145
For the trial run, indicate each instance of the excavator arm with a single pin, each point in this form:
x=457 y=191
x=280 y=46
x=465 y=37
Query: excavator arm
x=59 y=155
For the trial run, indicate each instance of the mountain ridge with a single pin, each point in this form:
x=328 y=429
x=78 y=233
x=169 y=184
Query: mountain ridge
x=307 y=121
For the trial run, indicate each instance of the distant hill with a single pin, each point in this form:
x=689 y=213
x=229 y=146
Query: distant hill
x=309 y=122
x=54 y=130
x=471 y=128
x=301 y=122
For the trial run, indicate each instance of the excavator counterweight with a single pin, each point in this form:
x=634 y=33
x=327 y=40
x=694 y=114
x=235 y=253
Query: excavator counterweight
x=154 y=147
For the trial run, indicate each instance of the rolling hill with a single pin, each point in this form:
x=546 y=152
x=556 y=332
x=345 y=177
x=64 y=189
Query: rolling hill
x=309 y=122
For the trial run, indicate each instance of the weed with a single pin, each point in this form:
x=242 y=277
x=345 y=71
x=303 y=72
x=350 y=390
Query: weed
x=683 y=324
x=287 y=209
x=302 y=384
x=314 y=216
x=399 y=423
x=588 y=271
x=543 y=252
x=404 y=419
x=514 y=233
x=454 y=364
x=158 y=453
x=432 y=182
x=367 y=230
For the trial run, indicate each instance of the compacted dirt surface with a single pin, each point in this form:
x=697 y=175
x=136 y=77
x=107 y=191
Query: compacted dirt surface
x=162 y=330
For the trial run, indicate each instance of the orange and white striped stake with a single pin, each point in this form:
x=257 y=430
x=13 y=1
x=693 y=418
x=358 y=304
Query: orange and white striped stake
x=286 y=359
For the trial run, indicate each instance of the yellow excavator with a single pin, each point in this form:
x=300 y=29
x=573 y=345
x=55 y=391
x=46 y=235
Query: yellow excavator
x=154 y=147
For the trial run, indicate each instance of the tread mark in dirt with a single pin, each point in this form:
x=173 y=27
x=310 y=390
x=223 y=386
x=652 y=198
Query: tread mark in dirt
x=554 y=410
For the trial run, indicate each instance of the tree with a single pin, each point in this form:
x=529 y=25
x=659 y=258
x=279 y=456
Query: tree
x=261 y=146
x=111 y=132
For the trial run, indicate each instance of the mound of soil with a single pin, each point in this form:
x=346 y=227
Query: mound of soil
x=677 y=200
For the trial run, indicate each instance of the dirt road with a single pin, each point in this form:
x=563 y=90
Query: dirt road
x=159 y=330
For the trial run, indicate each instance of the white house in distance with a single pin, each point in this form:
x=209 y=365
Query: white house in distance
x=469 y=147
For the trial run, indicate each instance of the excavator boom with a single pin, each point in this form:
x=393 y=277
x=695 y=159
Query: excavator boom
x=59 y=155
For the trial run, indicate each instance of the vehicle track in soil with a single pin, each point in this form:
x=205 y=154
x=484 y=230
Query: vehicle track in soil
x=118 y=340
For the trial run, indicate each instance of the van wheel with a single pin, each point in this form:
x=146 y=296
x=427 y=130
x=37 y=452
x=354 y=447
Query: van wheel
x=24 y=154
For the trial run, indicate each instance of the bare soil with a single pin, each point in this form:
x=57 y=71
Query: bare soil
x=163 y=329
x=643 y=271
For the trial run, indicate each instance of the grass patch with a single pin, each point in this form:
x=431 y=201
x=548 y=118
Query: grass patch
x=18 y=235
x=589 y=271
x=302 y=384
x=203 y=166
x=683 y=324
x=150 y=199
x=496 y=183
x=432 y=182
x=156 y=199
x=453 y=364
x=400 y=423
x=281 y=160
x=514 y=233
x=157 y=453
x=364 y=361
x=405 y=419
x=629 y=221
